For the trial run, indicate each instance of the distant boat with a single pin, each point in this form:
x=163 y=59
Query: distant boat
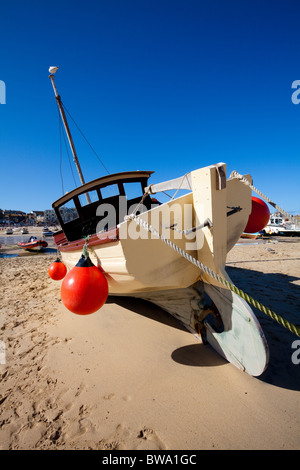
x=9 y=231
x=277 y=225
x=33 y=244
x=47 y=232
x=24 y=230
x=252 y=236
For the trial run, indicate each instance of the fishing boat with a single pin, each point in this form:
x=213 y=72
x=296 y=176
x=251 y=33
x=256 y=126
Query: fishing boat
x=9 y=231
x=152 y=250
x=24 y=230
x=33 y=244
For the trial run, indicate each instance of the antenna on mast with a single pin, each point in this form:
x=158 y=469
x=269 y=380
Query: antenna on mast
x=52 y=71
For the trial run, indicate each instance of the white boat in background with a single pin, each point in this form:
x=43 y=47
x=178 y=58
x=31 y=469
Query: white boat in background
x=24 y=230
x=279 y=226
x=46 y=232
x=204 y=224
x=9 y=231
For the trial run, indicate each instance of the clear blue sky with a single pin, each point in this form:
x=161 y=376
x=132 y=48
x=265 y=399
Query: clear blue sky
x=163 y=85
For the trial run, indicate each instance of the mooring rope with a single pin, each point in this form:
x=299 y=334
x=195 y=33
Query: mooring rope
x=283 y=322
x=86 y=247
x=236 y=175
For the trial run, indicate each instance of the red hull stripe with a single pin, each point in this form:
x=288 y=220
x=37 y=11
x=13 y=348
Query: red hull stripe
x=95 y=240
x=32 y=245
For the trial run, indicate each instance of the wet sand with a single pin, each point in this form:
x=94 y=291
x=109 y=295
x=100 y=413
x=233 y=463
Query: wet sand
x=130 y=377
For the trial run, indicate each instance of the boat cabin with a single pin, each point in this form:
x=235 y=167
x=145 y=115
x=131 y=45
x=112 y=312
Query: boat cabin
x=101 y=204
x=275 y=220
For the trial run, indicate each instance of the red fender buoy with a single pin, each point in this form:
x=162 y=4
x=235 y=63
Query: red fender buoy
x=259 y=216
x=57 y=270
x=84 y=289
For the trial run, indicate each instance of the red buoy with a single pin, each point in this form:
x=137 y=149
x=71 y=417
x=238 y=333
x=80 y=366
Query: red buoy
x=84 y=289
x=57 y=270
x=259 y=216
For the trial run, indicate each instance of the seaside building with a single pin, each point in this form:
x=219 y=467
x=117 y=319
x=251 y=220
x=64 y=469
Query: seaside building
x=8 y=217
x=68 y=213
x=50 y=217
x=38 y=216
x=297 y=218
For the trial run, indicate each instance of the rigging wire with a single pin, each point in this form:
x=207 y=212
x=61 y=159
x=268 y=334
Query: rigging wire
x=85 y=139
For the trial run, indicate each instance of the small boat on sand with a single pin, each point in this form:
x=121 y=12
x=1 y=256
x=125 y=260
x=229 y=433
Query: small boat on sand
x=251 y=236
x=47 y=233
x=33 y=244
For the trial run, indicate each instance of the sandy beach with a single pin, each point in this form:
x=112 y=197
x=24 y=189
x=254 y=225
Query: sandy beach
x=131 y=377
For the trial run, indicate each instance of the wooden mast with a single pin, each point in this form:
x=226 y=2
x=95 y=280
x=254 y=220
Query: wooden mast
x=52 y=71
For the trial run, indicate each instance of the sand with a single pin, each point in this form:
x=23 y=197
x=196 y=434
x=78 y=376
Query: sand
x=130 y=377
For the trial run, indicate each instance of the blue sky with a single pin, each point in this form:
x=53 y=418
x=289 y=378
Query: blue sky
x=162 y=85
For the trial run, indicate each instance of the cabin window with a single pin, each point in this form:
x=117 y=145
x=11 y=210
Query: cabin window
x=68 y=211
x=133 y=189
x=93 y=197
x=110 y=191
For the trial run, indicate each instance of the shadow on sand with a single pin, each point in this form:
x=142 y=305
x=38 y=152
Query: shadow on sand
x=197 y=355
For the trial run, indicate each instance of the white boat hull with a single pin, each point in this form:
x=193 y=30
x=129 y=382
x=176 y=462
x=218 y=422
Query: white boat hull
x=141 y=265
